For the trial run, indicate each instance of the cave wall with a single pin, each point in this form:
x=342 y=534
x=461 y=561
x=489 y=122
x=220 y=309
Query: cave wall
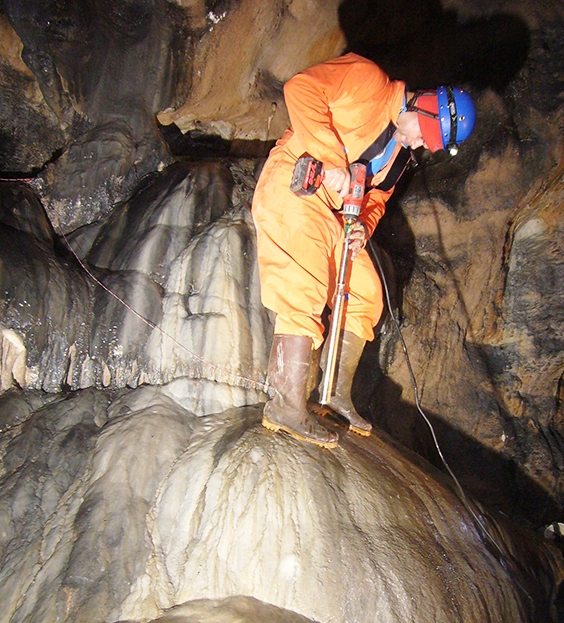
x=91 y=92
x=482 y=323
x=476 y=245
x=165 y=292
x=134 y=468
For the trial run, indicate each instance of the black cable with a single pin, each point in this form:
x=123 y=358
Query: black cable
x=374 y=254
x=376 y=258
x=505 y=556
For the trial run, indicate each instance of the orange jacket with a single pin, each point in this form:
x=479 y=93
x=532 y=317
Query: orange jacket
x=337 y=110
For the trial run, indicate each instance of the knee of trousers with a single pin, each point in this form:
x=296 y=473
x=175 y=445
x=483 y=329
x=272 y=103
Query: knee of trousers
x=300 y=324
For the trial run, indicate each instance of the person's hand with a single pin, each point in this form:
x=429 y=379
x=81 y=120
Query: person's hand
x=358 y=237
x=339 y=180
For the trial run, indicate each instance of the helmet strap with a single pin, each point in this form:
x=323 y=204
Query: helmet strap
x=412 y=104
x=452 y=146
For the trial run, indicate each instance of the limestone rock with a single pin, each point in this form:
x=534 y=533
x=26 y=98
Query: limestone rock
x=46 y=301
x=104 y=70
x=160 y=285
x=229 y=610
x=130 y=513
x=476 y=245
x=30 y=131
x=481 y=312
x=242 y=61
x=101 y=168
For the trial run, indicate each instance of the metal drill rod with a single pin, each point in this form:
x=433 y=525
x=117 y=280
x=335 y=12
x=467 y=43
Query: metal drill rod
x=326 y=387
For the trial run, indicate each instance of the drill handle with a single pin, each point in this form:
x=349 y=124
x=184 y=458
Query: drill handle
x=309 y=174
x=352 y=203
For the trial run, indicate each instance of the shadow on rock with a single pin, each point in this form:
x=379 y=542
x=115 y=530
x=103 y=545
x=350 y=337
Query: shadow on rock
x=425 y=45
x=494 y=479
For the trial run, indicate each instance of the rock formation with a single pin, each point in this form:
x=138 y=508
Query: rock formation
x=117 y=507
x=162 y=284
x=136 y=482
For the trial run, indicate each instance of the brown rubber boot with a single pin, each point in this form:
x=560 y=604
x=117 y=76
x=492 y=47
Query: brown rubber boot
x=288 y=373
x=314 y=372
x=351 y=348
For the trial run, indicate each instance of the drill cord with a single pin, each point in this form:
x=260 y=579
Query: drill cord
x=505 y=556
x=374 y=254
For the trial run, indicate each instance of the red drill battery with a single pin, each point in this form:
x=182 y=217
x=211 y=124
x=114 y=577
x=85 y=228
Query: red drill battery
x=308 y=176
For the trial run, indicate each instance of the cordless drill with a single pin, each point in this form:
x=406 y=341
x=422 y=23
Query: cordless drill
x=352 y=203
x=309 y=174
x=308 y=177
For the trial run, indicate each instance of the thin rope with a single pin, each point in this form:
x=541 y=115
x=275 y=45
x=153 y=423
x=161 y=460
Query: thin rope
x=236 y=379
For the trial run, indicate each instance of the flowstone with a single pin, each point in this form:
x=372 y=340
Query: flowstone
x=122 y=507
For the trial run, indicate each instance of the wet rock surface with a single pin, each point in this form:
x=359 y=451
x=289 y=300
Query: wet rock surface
x=229 y=610
x=103 y=69
x=161 y=285
x=123 y=506
x=137 y=483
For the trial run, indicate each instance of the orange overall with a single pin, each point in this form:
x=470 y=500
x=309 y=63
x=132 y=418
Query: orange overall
x=337 y=110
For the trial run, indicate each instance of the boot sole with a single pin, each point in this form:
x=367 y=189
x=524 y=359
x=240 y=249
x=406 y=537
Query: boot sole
x=275 y=427
x=324 y=411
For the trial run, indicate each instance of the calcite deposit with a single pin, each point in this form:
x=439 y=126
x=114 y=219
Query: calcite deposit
x=136 y=482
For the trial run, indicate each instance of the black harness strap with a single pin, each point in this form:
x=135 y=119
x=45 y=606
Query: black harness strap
x=378 y=145
x=401 y=163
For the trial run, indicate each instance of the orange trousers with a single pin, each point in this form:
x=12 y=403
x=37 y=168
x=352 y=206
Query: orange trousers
x=300 y=244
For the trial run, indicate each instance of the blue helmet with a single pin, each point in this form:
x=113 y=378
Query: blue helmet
x=446 y=117
x=457 y=116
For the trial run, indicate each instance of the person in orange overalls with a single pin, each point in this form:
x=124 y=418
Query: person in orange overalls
x=341 y=111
